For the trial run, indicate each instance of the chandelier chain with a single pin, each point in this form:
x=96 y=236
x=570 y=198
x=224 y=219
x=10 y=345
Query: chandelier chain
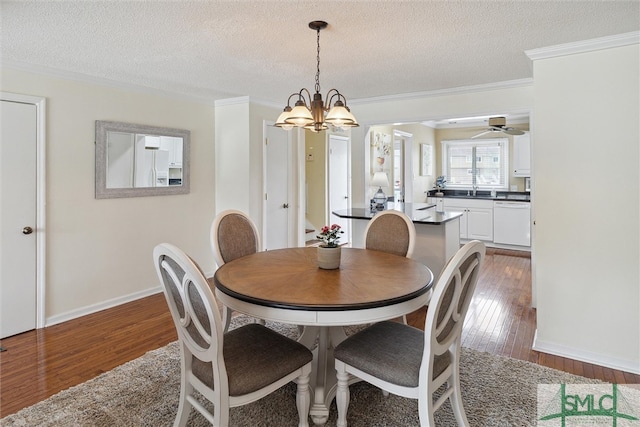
x=318 y=62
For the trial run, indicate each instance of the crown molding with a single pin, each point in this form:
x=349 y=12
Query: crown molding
x=509 y=84
x=101 y=81
x=245 y=100
x=584 y=46
x=232 y=101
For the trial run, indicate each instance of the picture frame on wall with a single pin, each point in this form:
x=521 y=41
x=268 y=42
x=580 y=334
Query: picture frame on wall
x=426 y=159
x=380 y=152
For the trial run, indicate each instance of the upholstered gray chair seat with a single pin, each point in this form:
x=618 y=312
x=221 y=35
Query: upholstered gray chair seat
x=390 y=351
x=255 y=356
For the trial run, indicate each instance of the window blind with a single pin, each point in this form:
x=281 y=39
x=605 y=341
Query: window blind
x=481 y=163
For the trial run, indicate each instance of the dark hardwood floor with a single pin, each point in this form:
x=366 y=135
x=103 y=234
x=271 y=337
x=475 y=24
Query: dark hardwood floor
x=40 y=363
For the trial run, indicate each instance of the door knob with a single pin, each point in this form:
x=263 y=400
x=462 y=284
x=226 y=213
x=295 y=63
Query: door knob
x=27 y=230
x=286 y=205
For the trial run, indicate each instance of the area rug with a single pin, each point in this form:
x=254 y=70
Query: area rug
x=497 y=391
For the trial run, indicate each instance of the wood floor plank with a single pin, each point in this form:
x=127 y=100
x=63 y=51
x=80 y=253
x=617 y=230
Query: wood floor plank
x=38 y=364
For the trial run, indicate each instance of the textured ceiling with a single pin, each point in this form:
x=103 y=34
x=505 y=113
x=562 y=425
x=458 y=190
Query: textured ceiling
x=264 y=49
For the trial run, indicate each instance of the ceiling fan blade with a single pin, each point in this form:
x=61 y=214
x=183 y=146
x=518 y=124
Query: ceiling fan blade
x=513 y=131
x=482 y=133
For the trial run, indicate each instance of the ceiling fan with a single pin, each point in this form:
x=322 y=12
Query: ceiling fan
x=499 y=124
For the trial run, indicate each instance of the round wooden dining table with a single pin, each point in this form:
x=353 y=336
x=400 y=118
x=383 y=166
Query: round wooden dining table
x=286 y=285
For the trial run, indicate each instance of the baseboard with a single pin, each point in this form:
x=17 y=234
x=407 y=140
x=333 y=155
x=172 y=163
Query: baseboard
x=585 y=356
x=488 y=244
x=70 y=315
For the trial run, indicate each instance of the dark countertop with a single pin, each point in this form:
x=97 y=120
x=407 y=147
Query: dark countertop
x=420 y=213
x=521 y=196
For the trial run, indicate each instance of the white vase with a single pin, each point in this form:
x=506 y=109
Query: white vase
x=329 y=257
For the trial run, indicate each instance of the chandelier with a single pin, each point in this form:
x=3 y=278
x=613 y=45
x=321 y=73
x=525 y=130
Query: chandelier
x=311 y=113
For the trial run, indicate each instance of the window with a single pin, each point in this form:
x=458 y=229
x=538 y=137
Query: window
x=482 y=163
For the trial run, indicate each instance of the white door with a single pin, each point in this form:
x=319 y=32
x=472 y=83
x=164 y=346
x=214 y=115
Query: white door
x=18 y=196
x=277 y=169
x=339 y=173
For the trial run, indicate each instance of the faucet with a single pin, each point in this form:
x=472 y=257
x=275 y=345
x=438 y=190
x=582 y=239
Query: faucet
x=475 y=187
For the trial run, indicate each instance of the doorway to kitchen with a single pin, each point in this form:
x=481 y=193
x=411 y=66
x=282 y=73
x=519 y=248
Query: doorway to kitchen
x=402 y=167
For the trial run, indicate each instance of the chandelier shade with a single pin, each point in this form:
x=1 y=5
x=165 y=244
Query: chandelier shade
x=280 y=122
x=300 y=115
x=311 y=113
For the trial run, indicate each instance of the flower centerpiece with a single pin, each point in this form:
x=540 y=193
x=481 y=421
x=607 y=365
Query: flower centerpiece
x=329 y=252
x=329 y=235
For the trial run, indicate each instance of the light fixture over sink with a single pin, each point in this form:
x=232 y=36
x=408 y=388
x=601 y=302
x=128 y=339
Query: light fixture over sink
x=309 y=113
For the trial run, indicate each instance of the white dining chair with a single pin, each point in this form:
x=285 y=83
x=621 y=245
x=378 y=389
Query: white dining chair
x=233 y=235
x=232 y=369
x=393 y=232
x=408 y=362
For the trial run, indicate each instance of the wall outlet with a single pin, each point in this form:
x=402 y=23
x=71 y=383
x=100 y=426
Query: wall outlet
x=310 y=157
x=514 y=188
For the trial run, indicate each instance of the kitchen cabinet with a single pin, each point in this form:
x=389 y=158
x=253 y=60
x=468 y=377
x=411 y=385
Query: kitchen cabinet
x=174 y=146
x=477 y=217
x=522 y=155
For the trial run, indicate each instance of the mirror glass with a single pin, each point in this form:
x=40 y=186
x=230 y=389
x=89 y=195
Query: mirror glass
x=137 y=160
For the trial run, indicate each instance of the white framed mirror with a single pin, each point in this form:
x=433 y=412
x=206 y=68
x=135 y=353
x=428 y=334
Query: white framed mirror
x=135 y=160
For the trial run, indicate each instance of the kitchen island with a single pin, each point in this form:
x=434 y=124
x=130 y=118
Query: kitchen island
x=437 y=233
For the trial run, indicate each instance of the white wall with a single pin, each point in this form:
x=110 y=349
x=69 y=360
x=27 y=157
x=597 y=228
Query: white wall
x=233 y=156
x=99 y=251
x=587 y=205
x=239 y=155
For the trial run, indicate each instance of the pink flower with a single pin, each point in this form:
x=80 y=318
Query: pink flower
x=329 y=235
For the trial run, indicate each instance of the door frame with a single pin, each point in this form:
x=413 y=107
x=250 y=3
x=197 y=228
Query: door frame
x=407 y=160
x=40 y=104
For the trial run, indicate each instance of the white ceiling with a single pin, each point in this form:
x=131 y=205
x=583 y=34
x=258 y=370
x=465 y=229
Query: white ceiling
x=264 y=49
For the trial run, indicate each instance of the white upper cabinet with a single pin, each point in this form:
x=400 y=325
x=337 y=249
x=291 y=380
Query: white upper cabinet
x=174 y=146
x=522 y=155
